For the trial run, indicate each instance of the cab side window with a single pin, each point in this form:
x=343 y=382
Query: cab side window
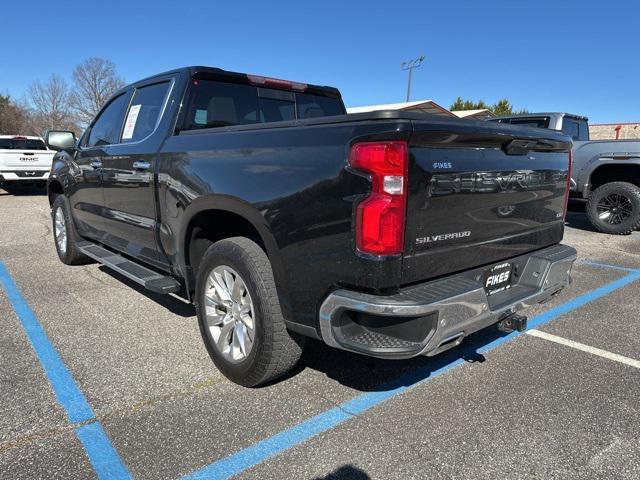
x=144 y=112
x=570 y=127
x=583 y=127
x=107 y=127
x=577 y=129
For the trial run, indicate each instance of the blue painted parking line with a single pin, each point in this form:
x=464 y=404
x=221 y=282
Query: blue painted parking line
x=102 y=455
x=607 y=265
x=71 y=399
x=307 y=429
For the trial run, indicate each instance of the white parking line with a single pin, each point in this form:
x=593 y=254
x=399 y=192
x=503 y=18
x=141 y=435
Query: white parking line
x=585 y=348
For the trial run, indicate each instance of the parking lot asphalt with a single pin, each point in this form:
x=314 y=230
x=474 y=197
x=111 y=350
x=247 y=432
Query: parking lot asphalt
x=517 y=406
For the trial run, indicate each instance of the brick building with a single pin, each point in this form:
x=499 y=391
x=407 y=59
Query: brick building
x=607 y=131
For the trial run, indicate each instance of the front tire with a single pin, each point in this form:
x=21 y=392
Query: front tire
x=64 y=234
x=614 y=208
x=239 y=314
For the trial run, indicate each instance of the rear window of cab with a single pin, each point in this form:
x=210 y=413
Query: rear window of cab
x=220 y=104
x=538 y=122
x=21 y=144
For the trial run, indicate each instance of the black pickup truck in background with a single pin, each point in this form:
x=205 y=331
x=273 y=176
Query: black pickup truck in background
x=280 y=217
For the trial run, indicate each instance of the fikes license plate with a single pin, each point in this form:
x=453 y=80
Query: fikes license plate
x=498 y=278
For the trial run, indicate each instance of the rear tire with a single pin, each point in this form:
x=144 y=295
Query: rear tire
x=239 y=314
x=614 y=208
x=65 y=236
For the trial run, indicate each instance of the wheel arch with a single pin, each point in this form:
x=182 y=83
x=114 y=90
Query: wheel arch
x=54 y=188
x=614 y=171
x=215 y=217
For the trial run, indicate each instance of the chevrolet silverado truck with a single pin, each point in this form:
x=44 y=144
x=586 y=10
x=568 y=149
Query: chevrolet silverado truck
x=24 y=159
x=605 y=172
x=390 y=234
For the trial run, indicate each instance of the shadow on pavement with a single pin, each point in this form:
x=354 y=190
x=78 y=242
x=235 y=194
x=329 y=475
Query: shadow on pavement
x=368 y=374
x=346 y=472
x=579 y=221
x=23 y=190
x=576 y=216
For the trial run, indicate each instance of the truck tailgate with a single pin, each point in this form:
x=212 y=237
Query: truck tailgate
x=39 y=159
x=480 y=193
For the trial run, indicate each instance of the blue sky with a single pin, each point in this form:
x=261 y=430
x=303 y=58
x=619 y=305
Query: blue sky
x=576 y=56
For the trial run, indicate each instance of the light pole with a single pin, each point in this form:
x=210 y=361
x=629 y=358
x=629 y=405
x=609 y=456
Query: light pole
x=410 y=65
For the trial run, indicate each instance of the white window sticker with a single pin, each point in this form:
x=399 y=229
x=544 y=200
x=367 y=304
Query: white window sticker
x=130 y=124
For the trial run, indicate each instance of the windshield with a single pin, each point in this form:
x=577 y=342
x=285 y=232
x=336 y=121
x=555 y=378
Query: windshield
x=21 y=144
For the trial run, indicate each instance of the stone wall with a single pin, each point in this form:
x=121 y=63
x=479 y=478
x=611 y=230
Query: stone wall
x=608 y=132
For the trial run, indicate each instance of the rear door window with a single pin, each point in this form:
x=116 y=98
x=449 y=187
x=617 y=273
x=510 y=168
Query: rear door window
x=583 y=130
x=144 y=112
x=576 y=129
x=570 y=127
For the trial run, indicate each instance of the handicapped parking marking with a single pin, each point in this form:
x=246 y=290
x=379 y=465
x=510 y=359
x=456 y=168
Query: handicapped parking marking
x=103 y=457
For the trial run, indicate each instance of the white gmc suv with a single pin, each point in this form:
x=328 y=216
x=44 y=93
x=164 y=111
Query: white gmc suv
x=24 y=159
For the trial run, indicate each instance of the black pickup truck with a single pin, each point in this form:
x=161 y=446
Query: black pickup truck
x=280 y=217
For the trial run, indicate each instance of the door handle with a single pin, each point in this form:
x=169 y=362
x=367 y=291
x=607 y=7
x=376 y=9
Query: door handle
x=95 y=164
x=141 y=165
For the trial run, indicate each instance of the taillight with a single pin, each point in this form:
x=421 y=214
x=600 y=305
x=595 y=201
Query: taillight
x=380 y=217
x=568 y=186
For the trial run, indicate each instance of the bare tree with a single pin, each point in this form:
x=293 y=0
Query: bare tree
x=50 y=105
x=14 y=117
x=95 y=80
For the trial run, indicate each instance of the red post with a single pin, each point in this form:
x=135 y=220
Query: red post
x=617 y=128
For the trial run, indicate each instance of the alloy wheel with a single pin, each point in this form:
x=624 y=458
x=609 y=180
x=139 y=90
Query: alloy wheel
x=230 y=313
x=614 y=209
x=60 y=231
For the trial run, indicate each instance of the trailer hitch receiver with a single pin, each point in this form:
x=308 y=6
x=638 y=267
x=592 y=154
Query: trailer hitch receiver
x=511 y=322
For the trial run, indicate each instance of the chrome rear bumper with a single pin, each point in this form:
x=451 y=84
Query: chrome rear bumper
x=431 y=317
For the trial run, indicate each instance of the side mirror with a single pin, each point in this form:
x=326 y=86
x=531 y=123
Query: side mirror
x=60 y=139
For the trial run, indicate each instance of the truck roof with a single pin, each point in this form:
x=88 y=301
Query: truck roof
x=220 y=74
x=543 y=114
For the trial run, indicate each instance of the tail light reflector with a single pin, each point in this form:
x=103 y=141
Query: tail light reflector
x=380 y=218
